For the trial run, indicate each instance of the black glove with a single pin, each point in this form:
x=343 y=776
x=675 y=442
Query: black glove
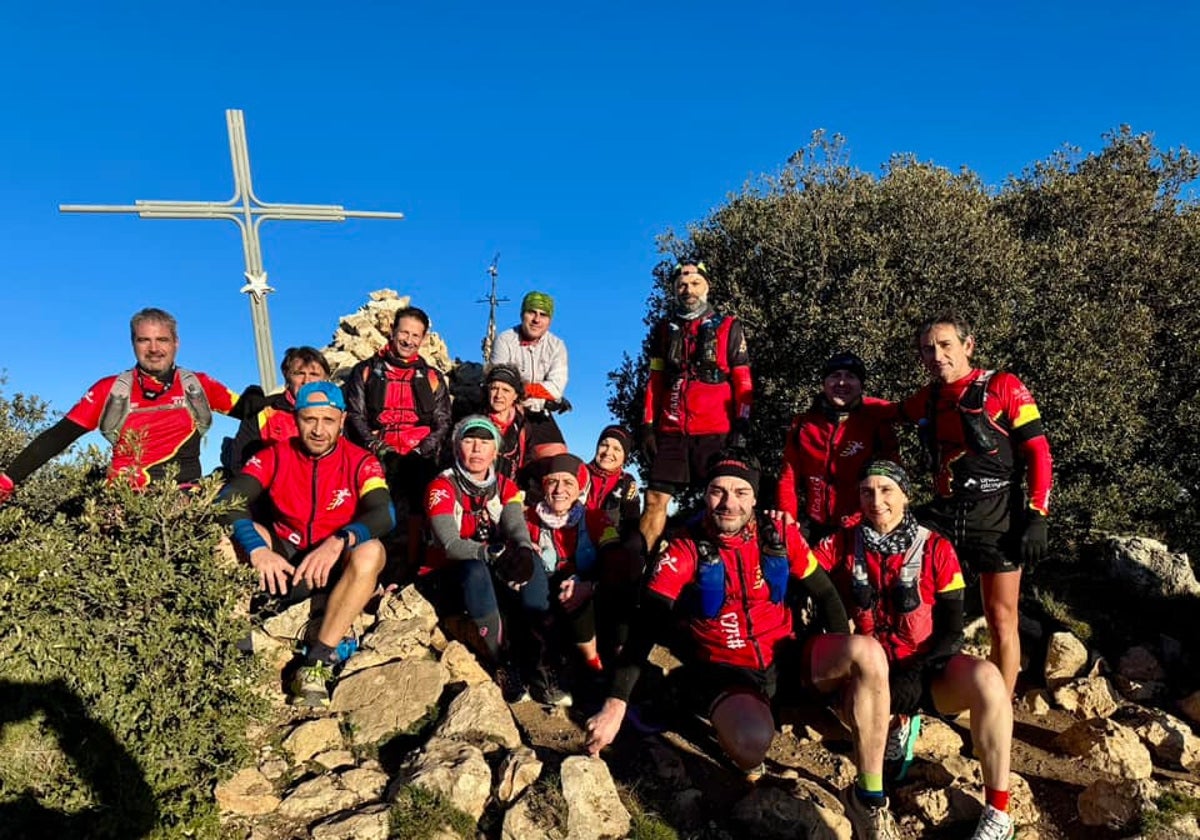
x=249 y=403
x=559 y=406
x=649 y=442
x=739 y=433
x=514 y=567
x=1035 y=540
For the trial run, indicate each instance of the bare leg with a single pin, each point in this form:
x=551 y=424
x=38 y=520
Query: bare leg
x=1001 y=591
x=976 y=685
x=744 y=727
x=858 y=667
x=352 y=592
x=654 y=518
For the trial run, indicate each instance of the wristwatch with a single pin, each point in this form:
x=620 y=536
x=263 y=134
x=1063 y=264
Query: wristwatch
x=344 y=533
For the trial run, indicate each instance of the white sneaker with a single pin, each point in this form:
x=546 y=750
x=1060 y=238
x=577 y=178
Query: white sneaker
x=869 y=822
x=994 y=825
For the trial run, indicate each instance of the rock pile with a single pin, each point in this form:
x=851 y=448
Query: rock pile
x=362 y=334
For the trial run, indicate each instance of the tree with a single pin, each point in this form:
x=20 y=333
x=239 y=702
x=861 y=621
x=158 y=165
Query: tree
x=1080 y=276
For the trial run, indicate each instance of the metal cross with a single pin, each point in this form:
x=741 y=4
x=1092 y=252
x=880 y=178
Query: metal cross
x=248 y=212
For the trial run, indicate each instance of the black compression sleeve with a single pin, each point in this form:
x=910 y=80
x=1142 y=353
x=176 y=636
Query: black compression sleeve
x=828 y=603
x=947 y=625
x=375 y=512
x=44 y=447
x=653 y=614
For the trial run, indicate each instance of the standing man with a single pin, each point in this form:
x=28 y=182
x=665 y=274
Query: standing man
x=153 y=415
x=698 y=395
x=398 y=408
x=329 y=505
x=277 y=420
x=728 y=576
x=828 y=446
x=984 y=435
x=541 y=357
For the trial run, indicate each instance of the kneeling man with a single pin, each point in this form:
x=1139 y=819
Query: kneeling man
x=328 y=504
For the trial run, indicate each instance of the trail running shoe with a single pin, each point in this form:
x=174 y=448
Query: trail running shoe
x=508 y=677
x=309 y=688
x=994 y=825
x=870 y=822
x=901 y=742
x=545 y=689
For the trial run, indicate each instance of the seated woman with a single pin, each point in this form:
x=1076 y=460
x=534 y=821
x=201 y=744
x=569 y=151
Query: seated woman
x=570 y=538
x=614 y=492
x=903 y=586
x=483 y=560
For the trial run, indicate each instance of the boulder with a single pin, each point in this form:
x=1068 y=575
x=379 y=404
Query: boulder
x=1139 y=692
x=462 y=666
x=594 y=810
x=408 y=604
x=1107 y=746
x=366 y=783
x=771 y=813
x=480 y=715
x=1036 y=702
x=373 y=822
x=335 y=759
x=388 y=641
x=316 y=798
x=312 y=737
x=519 y=824
x=456 y=770
x=247 y=793
x=290 y=624
x=1115 y=804
x=1066 y=657
x=1190 y=706
x=391 y=698
x=1170 y=739
x=937 y=741
x=1091 y=697
x=519 y=769
x=1150 y=568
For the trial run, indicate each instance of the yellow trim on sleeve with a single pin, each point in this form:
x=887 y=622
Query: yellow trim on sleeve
x=956 y=582
x=1027 y=414
x=658 y=364
x=372 y=484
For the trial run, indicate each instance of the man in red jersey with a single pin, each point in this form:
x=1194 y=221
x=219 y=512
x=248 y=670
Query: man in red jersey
x=984 y=433
x=697 y=397
x=329 y=505
x=153 y=415
x=277 y=419
x=828 y=446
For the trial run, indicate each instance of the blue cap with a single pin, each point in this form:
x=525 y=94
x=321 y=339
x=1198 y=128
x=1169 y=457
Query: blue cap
x=320 y=395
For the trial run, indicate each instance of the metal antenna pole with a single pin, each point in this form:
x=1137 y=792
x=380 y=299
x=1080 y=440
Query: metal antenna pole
x=493 y=271
x=248 y=212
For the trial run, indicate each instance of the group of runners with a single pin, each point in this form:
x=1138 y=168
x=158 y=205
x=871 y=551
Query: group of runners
x=562 y=580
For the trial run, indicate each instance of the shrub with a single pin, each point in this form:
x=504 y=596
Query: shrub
x=124 y=697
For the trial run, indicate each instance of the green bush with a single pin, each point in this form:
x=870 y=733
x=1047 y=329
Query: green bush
x=124 y=697
x=1080 y=275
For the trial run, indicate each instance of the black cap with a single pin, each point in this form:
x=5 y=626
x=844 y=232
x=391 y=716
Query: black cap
x=845 y=361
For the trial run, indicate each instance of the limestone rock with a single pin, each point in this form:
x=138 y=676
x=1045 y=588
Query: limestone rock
x=248 y=792
x=317 y=798
x=1141 y=665
x=1190 y=706
x=518 y=771
x=367 y=783
x=388 y=641
x=1150 y=567
x=1107 y=746
x=1021 y=806
x=480 y=715
x=462 y=665
x=938 y=806
x=771 y=813
x=407 y=604
x=1091 y=697
x=519 y=824
x=273 y=768
x=388 y=699
x=335 y=759
x=456 y=770
x=1115 y=803
x=1036 y=702
x=312 y=737
x=594 y=811
x=290 y=624
x=937 y=741
x=1170 y=739
x=370 y=823
x=1066 y=657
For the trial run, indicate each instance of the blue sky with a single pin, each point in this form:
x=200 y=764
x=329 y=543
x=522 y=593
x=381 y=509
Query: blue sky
x=564 y=136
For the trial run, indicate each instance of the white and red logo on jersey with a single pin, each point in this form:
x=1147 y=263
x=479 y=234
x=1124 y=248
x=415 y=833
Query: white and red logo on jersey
x=339 y=498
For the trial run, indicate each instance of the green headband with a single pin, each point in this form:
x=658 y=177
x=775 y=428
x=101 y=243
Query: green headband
x=538 y=302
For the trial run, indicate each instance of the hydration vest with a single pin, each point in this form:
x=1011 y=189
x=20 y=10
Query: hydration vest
x=377 y=382
x=710 y=568
x=985 y=441
x=117 y=406
x=705 y=365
